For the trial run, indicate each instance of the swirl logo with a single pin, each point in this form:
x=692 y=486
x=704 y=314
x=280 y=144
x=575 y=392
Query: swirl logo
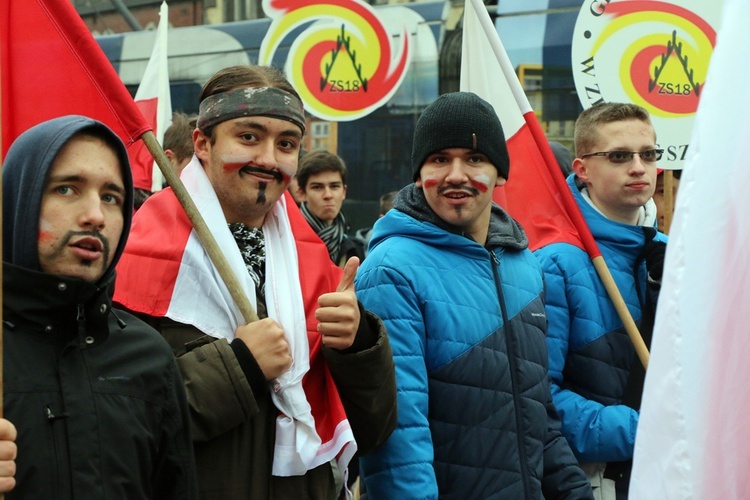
x=342 y=63
x=651 y=53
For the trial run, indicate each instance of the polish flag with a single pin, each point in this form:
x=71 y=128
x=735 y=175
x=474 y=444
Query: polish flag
x=165 y=271
x=536 y=194
x=693 y=433
x=51 y=66
x=155 y=102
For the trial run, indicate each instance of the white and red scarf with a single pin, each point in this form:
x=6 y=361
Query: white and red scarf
x=166 y=272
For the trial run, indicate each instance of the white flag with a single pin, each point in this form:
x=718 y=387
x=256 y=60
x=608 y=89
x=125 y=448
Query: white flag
x=693 y=436
x=155 y=102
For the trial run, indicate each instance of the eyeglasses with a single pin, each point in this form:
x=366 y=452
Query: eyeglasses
x=621 y=157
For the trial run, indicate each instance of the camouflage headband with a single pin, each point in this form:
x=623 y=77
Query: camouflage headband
x=251 y=101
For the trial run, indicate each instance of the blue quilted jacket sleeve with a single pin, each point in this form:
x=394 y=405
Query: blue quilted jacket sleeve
x=402 y=467
x=579 y=313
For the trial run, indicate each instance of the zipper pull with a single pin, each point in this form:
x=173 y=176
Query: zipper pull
x=81 y=320
x=51 y=415
x=495 y=259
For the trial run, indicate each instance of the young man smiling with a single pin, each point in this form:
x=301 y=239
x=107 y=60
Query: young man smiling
x=277 y=403
x=596 y=377
x=450 y=274
x=96 y=395
x=322 y=185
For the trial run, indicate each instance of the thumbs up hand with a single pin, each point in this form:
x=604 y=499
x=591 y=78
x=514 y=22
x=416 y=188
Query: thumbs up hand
x=338 y=312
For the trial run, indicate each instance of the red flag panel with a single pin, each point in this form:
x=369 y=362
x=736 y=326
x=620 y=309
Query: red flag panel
x=52 y=66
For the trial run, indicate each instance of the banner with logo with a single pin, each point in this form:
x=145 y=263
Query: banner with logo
x=651 y=53
x=346 y=59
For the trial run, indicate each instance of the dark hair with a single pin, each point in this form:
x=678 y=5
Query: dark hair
x=317 y=162
x=242 y=76
x=179 y=136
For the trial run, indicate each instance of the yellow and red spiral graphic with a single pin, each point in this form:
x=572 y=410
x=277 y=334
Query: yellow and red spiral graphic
x=342 y=63
x=665 y=70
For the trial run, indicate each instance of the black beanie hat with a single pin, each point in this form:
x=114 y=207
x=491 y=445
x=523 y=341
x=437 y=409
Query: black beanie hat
x=460 y=120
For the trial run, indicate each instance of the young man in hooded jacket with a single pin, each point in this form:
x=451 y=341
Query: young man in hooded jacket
x=450 y=274
x=95 y=394
x=597 y=379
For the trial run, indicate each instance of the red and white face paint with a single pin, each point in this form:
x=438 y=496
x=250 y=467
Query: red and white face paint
x=458 y=184
x=250 y=162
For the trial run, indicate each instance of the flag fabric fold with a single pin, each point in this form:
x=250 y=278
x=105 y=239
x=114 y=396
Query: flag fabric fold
x=536 y=194
x=312 y=428
x=693 y=433
x=154 y=101
x=50 y=66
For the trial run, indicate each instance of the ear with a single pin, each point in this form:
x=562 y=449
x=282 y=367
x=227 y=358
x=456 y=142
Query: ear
x=580 y=169
x=500 y=181
x=418 y=182
x=201 y=144
x=344 y=192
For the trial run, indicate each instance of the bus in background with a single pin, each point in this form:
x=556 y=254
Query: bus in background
x=377 y=147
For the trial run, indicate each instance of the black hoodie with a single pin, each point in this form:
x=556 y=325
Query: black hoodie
x=25 y=171
x=96 y=396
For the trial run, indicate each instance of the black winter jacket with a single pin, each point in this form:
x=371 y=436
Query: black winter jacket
x=96 y=396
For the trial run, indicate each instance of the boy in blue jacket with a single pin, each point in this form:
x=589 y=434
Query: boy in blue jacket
x=461 y=296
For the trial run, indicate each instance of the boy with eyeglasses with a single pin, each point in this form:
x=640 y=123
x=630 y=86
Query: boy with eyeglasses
x=596 y=376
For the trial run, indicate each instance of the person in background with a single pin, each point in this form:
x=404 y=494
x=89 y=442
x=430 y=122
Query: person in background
x=363 y=235
x=294 y=191
x=278 y=405
x=660 y=201
x=322 y=185
x=95 y=394
x=461 y=295
x=597 y=378
x=563 y=156
x=178 y=140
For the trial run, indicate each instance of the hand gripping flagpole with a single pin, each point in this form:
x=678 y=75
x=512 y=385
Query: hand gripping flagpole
x=201 y=229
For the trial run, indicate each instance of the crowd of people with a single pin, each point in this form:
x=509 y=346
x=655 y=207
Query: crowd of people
x=434 y=350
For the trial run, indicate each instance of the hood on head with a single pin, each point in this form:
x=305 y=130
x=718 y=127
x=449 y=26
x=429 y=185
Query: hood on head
x=25 y=171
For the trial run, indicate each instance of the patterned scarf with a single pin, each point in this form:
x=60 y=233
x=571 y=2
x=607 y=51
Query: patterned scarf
x=252 y=245
x=331 y=235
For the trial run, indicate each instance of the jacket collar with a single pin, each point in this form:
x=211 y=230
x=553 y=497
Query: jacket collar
x=56 y=305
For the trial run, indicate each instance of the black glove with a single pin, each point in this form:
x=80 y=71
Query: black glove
x=653 y=253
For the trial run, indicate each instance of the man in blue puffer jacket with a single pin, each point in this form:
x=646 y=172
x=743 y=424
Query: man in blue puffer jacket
x=597 y=378
x=461 y=296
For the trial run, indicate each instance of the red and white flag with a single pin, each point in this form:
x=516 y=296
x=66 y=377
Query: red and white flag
x=51 y=66
x=536 y=194
x=154 y=101
x=165 y=271
x=693 y=434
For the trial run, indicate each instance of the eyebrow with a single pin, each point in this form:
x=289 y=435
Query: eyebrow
x=238 y=125
x=78 y=179
x=332 y=183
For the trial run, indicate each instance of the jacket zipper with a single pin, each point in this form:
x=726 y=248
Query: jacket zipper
x=81 y=321
x=510 y=346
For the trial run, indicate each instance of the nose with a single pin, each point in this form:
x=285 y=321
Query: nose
x=92 y=212
x=456 y=172
x=637 y=165
x=328 y=193
x=266 y=154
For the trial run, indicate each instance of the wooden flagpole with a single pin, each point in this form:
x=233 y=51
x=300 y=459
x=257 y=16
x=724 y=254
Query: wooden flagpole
x=201 y=229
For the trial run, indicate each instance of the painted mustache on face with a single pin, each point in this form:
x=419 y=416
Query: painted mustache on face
x=478 y=184
x=248 y=169
x=468 y=189
x=93 y=234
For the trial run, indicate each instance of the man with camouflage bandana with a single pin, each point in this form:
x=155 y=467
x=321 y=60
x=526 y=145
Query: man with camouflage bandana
x=277 y=404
